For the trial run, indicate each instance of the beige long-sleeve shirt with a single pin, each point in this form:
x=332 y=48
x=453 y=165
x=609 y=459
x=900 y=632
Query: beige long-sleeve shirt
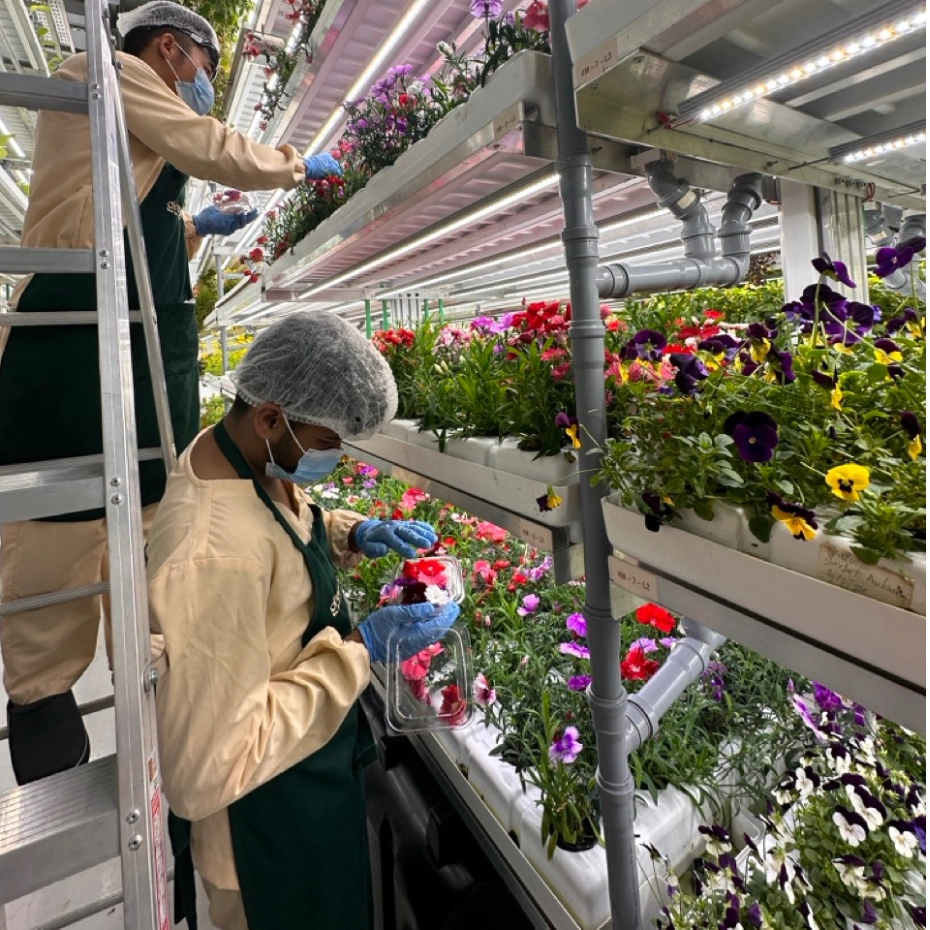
x=161 y=128
x=241 y=700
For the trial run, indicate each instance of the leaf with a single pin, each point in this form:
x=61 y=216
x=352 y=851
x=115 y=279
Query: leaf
x=729 y=478
x=761 y=527
x=877 y=372
x=869 y=556
x=704 y=509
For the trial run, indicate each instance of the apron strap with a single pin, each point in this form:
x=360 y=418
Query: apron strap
x=185 y=887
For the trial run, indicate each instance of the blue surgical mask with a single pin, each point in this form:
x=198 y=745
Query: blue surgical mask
x=197 y=94
x=314 y=464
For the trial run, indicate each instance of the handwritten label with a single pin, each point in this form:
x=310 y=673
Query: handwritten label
x=508 y=120
x=535 y=535
x=634 y=579
x=161 y=871
x=595 y=63
x=842 y=568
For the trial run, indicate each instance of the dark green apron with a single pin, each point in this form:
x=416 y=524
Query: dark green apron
x=300 y=840
x=49 y=375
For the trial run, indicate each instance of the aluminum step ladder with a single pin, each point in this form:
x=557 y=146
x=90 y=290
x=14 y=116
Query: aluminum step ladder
x=59 y=826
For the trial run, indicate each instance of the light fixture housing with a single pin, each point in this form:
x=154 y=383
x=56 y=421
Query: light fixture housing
x=879 y=26
x=880 y=144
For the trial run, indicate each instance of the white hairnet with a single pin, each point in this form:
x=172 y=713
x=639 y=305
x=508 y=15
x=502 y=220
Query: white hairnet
x=160 y=13
x=319 y=370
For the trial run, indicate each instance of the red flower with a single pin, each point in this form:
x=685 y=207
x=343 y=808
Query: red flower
x=484 y=572
x=654 y=615
x=636 y=667
x=449 y=542
x=714 y=314
x=261 y=240
x=454 y=707
x=254 y=277
x=501 y=564
x=426 y=571
x=536 y=16
x=257 y=255
x=490 y=531
x=398 y=514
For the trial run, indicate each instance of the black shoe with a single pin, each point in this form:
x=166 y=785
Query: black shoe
x=46 y=737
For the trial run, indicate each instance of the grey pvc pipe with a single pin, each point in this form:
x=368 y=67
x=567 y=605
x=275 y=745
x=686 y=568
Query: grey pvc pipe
x=682 y=668
x=606 y=693
x=701 y=267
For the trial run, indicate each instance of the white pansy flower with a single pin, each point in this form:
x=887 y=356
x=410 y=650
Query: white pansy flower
x=852 y=833
x=718 y=881
x=850 y=875
x=803 y=784
x=905 y=842
x=873 y=817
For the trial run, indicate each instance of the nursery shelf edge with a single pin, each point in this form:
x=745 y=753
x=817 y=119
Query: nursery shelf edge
x=869 y=651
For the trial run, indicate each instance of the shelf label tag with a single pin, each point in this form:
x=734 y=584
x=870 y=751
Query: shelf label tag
x=508 y=120
x=634 y=579
x=534 y=534
x=841 y=567
x=595 y=63
x=161 y=871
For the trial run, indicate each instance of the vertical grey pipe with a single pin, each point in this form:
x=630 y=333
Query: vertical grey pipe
x=606 y=693
x=224 y=342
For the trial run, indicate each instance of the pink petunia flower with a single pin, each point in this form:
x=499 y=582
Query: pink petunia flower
x=485 y=695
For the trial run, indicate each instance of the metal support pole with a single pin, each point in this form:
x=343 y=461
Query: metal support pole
x=442 y=311
x=606 y=693
x=368 y=318
x=425 y=310
x=800 y=236
x=224 y=341
x=385 y=320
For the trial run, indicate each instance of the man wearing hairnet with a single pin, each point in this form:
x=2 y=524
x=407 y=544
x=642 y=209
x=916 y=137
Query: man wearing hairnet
x=49 y=382
x=260 y=735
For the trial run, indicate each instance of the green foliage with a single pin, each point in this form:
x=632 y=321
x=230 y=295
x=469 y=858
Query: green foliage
x=205 y=296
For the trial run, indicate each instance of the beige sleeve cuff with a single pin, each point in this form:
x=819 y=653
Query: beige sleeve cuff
x=339 y=525
x=193 y=237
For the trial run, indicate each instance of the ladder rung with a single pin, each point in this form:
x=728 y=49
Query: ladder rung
x=41 y=93
x=91 y=707
x=22 y=604
x=58 y=318
x=47 y=489
x=17 y=260
x=57 y=827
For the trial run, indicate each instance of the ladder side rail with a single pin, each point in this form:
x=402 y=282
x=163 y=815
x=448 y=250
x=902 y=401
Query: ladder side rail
x=140 y=264
x=141 y=835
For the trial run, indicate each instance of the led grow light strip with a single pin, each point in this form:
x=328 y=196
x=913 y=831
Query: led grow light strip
x=469 y=219
x=368 y=75
x=906 y=136
x=863 y=34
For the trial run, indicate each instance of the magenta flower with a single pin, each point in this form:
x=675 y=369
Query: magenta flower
x=579 y=682
x=573 y=649
x=485 y=695
x=647 y=644
x=577 y=624
x=530 y=605
x=566 y=747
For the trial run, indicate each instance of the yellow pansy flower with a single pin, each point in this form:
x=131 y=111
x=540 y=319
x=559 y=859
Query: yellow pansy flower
x=797 y=525
x=572 y=433
x=759 y=350
x=887 y=358
x=836 y=398
x=848 y=480
x=914 y=447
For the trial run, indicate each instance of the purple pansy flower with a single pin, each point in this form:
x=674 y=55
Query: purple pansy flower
x=647 y=644
x=577 y=624
x=566 y=747
x=721 y=344
x=579 y=682
x=831 y=269
x=826 y=699
x=865 y=316
x=909 y=315
x=669 y=642
x=891 y=258
x=647 y=344
x=574 y=649
x=754 y=915
x=755 y=434
x=690 y=370
x=782 y=366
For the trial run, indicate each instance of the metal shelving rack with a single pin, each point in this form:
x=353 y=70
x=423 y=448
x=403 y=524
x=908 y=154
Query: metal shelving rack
x=614 y=67
x=57 y=827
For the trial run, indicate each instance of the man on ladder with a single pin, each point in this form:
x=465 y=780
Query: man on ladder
x=49 y=376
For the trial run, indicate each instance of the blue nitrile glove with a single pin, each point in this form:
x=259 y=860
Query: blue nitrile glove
x=375 y=538
x=421 y=625
x=214 y=222
x=322 y=166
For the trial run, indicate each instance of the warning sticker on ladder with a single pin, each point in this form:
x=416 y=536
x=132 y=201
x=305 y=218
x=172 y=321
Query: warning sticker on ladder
x=161 y=873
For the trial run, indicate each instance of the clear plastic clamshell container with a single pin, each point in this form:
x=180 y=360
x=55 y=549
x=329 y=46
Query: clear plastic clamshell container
x=433 y=689
x=232 y=202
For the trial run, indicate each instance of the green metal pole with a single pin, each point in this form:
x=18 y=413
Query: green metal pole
x=442 y=311
x=385 y=322
x=368 y=318
x=425 y=311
